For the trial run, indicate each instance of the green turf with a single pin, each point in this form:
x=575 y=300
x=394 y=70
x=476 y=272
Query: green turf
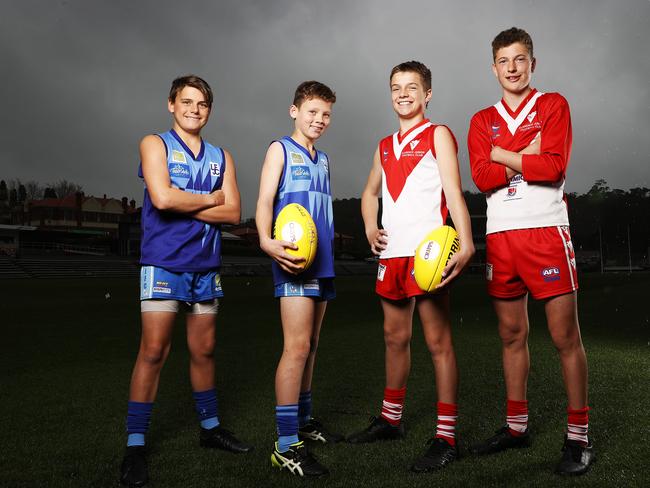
x=67 y=354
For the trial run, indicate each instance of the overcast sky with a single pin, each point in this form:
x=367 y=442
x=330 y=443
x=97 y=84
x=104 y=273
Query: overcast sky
x=85 y=80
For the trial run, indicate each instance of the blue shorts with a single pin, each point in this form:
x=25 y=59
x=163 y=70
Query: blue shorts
x=322 y=289
x=156 y=282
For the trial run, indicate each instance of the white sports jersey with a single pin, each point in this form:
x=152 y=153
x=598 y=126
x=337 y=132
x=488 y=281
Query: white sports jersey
x=413 y=203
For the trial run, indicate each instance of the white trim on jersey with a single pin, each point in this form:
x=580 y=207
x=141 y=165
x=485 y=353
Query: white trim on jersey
x=398 y=148
x=513 y=124
x=568 y=257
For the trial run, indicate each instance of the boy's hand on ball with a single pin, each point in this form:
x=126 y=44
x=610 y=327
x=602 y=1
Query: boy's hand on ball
x=457 y=263
x=276 y=249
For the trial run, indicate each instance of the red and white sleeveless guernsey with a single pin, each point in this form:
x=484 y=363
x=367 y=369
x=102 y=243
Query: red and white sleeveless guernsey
x=534 y=198
x=413 y=202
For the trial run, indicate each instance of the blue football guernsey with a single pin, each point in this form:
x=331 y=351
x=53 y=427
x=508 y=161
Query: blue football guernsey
x=176 y=241
x=306 y=181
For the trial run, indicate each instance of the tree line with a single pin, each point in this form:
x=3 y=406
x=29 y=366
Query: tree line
x=612 y=220
x=15 y=192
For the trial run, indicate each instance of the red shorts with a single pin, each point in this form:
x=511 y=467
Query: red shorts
x=540 y=261
x=396 y=279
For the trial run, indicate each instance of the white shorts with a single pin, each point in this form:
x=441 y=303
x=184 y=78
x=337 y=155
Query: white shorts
x=198 y=308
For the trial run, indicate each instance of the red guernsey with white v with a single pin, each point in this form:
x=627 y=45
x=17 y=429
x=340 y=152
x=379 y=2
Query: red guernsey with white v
x=413 y=202
x=534 y=198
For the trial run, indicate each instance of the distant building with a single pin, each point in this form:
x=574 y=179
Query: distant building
x=80 y=212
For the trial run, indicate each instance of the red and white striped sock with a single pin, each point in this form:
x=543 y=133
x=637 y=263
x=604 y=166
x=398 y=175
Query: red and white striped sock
x=391 y=408
x=578 y=425
x=517 y=416
x=447 y=417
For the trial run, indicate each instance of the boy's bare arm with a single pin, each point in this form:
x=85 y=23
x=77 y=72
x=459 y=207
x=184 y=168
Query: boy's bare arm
x=230 y=211
x=451 y=185
x=269 y=180
x=156 y=176
x=377 y=238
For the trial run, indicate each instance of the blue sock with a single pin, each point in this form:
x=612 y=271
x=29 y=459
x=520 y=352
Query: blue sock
x=206 y=408
x=138 y=418
x=286 y=418
x=304 y=408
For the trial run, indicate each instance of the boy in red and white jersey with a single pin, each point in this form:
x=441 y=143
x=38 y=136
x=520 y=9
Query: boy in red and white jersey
x=415 y=171
x=519 y=151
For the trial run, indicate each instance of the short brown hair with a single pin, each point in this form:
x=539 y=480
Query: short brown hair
x=510 y=36
x=415 y=67
x=313 y=89
x=195 y=82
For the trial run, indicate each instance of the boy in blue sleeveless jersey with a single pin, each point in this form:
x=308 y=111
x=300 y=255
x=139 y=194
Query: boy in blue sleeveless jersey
x=295 y=172
x=190 y=190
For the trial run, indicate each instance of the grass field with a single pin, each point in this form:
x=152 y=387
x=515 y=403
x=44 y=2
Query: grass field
x=67 y=354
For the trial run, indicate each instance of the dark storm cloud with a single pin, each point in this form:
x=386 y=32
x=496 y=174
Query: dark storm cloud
x=84 y=81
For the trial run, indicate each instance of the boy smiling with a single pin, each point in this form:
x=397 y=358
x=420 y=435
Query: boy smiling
x=519 y=153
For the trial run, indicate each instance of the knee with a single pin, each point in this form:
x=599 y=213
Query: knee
x=153 y=354
x=203 y=350
x=397 y=338
x=513 y=334
x=566 y=340
x=439 y=345
x=298 y=350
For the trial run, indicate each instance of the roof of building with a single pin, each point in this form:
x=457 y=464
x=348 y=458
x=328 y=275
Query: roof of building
x=70 y=201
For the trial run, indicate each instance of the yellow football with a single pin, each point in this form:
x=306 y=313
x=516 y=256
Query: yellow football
x=294 y=224
x=433 y=254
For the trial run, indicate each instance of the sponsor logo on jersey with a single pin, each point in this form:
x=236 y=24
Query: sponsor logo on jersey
x=512 y=191
x=495 y=131
x=414 y=143
x=311 y=285
x=300 y=173
x=217 y=282
x=413 y=154
x=537 y=125
x=385 y=155
x=325 y=163
x=178 y=156
x=381 y=270
x=179 y=170
x=488 y=271
x=215 y=170
x=551 y=273
x=296 y=158
x=516 y=179
x=162 y=289
x=531 y=116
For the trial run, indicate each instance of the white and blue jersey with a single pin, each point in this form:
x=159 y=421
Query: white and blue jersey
x=305 y=180
x=175 y=241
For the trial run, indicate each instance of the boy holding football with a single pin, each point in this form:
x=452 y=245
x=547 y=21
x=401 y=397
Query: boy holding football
x=190 y=190
x=295 y=172
x=519 y=152
x=415 y=171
